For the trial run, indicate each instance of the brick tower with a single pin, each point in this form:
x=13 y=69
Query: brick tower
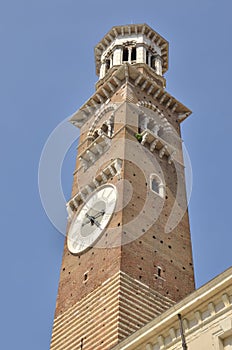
x=127 y=256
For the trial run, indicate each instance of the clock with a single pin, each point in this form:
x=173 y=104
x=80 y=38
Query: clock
x=92 y=219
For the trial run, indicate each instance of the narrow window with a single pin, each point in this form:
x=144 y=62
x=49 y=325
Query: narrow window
x=147 y=57
x=159 y=271
x=125 y=55
x=107 y=64
x=95 y=135
x=157 y=185
x=133 y=54
x=104 y=128
x=153 y=62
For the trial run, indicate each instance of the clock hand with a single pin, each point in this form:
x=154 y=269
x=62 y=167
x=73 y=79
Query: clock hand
x=97 y=223
x=93 y=220
x=101 y=213
x=92 y=217
x=85 y=223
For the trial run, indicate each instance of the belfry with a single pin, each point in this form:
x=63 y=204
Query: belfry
x=128 y=255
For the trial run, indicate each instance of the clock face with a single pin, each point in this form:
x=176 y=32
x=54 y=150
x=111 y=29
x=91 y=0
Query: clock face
x=92 y=219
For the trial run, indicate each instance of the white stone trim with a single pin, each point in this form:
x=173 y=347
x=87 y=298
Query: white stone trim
x=161 y=189
x=111 y=170
x=94 y=151
x=157 y=143
x=111 y=84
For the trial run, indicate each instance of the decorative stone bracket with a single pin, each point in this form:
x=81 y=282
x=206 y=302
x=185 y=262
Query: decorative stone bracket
x=95 y=150
x=112 y=169
x=156 y=142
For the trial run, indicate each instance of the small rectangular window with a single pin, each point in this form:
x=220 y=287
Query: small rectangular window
x=133 y=54
x=125 y=55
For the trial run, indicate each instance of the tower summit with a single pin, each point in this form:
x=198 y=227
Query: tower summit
x=135 y=44
x=127 y=256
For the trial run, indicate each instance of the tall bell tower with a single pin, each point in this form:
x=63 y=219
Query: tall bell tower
x=127 y=256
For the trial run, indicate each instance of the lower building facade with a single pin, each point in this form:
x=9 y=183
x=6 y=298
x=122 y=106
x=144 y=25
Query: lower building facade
x=201 y=321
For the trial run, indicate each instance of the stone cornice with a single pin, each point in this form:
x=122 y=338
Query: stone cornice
x=130 y=29
x=127 y=72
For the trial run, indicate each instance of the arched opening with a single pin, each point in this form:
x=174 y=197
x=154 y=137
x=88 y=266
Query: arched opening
x=157 y=185
x=108 y=127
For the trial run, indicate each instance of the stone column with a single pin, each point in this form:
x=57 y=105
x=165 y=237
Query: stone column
x=110 y=125
x=129 y=54
x=149 y=59
x=102 y=69
x=117 y=56
x=158 y=64
x=140 y=54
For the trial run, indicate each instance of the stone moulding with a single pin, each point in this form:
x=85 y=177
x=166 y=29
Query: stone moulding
x=130 y=30
x=157 y=143
x=118 y=77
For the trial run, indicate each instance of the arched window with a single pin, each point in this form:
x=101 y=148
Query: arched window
x=125 y=55
x=157 y=185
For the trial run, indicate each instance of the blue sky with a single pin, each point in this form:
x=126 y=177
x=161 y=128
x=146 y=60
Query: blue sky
x=47 y=71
